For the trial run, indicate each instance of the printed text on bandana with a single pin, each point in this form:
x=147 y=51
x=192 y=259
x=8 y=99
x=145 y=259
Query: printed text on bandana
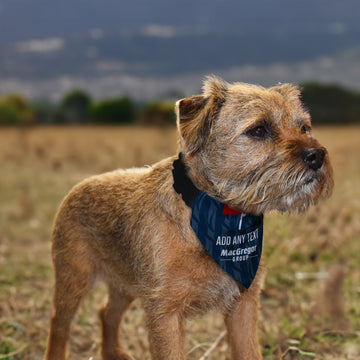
x=233 y=240
x=241 y=253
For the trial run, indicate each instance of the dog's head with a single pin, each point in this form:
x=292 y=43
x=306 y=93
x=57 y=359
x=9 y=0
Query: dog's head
x=252 y=148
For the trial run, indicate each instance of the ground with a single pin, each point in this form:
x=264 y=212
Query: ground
x=311 y=299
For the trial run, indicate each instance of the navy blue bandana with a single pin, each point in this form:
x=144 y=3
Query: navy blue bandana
x=232 y=238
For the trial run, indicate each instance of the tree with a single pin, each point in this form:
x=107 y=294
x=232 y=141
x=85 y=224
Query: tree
x=113 y=111
x=9 y=115
x=75 y=106
x=331 y=104
x=157 y=113
x=15 y=110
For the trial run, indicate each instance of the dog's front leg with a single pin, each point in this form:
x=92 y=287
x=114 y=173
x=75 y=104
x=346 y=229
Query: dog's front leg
x=166 y=336
x=241 y=323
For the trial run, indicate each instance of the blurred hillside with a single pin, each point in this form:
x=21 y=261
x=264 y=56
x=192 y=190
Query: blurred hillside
x=327 y=104
x=156 y=49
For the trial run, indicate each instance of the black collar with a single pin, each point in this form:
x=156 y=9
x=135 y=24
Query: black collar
x=182 y=182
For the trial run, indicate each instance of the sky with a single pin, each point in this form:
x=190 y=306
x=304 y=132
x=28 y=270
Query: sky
x=149 y=48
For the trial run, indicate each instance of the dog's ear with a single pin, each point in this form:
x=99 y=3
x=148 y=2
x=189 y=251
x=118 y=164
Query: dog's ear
x=196 y=114
x=289 y=91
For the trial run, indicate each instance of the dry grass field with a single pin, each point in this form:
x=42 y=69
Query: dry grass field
x=311 y=299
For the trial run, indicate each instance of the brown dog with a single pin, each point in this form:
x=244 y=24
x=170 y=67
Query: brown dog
x=241 y=145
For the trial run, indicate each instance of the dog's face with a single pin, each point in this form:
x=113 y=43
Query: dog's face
x=252 y=148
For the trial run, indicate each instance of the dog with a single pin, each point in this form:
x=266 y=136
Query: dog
x=185 y=235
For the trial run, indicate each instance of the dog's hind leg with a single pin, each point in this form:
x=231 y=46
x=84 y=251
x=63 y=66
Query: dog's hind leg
x=111 y=315
x=73 y=279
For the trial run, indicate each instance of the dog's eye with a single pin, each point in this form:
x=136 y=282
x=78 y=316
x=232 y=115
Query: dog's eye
x=258 y=132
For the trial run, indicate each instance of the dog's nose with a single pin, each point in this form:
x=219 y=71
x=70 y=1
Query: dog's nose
x=313 y=157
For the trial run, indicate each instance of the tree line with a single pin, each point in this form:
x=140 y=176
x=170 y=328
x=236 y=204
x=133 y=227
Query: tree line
x=327 y=103
x=77 y=107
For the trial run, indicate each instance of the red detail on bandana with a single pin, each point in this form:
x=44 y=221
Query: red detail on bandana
x=229 y=211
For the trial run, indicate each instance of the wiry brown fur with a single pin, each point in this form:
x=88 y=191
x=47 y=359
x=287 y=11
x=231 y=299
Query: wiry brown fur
x=131 y=229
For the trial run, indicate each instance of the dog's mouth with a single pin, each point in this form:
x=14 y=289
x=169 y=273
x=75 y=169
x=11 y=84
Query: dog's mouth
x=299 y=197
x=307 y=193
x=291 y=192
x=311 y=179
